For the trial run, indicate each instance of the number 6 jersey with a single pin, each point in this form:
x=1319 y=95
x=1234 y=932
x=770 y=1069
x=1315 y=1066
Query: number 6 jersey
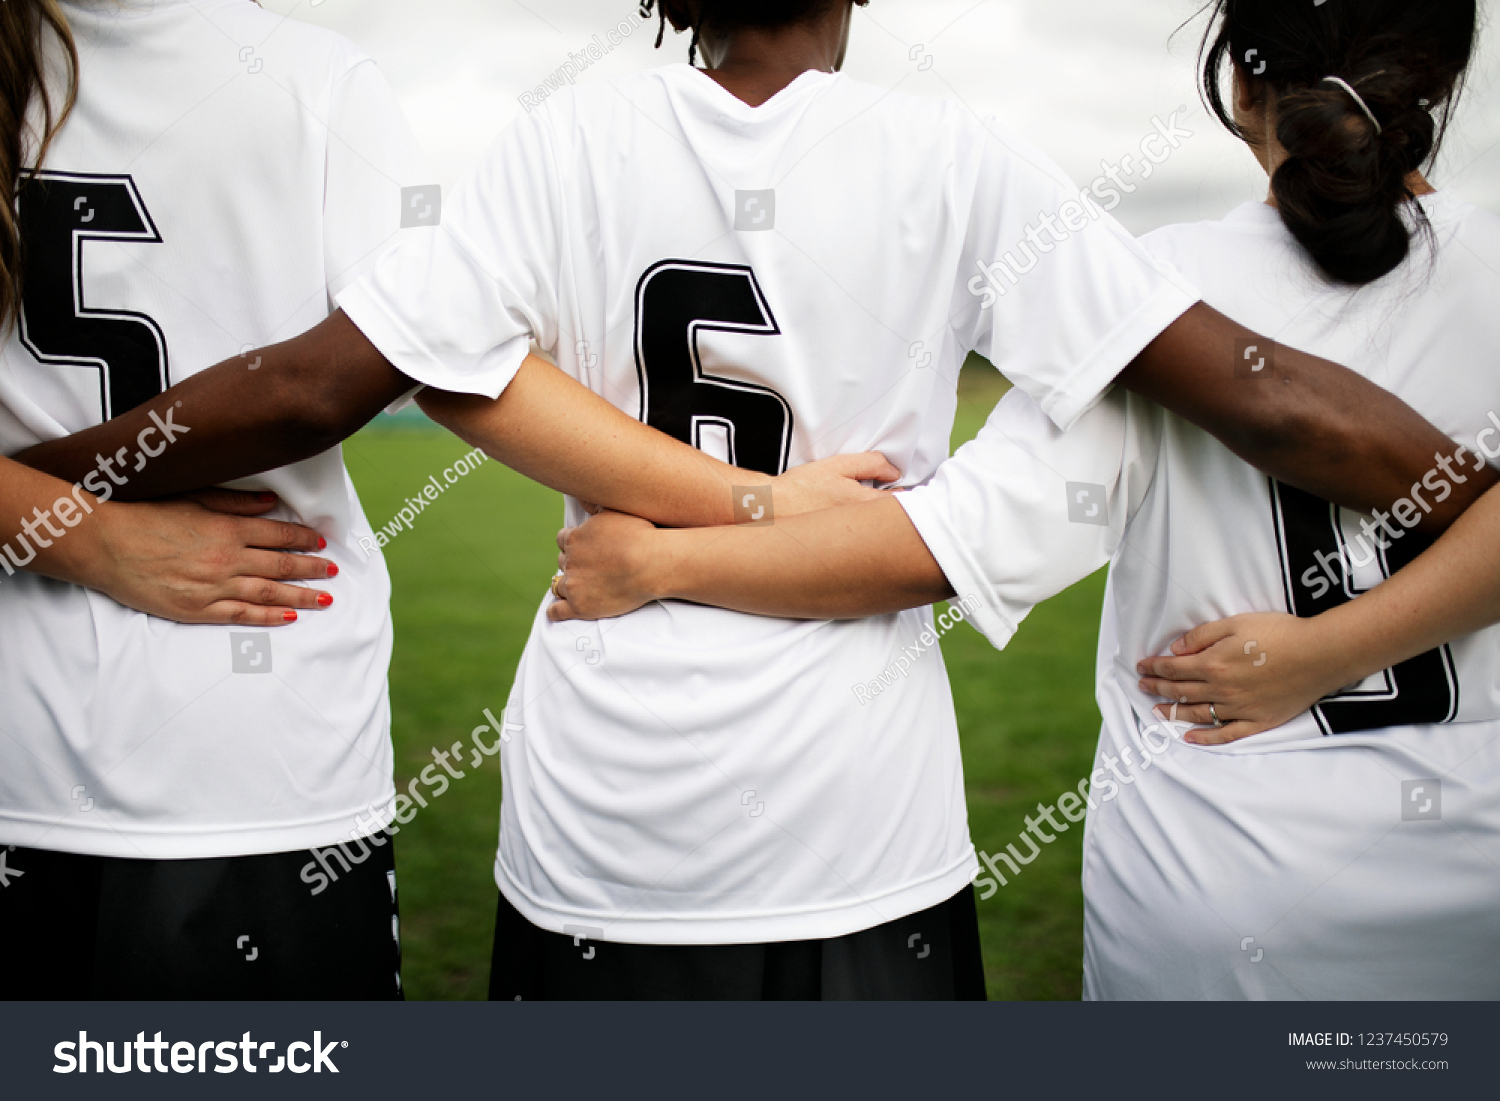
x=774 y=285
x=224 y=172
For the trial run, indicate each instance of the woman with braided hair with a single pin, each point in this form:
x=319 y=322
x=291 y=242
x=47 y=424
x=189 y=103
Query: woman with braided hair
x=1349 y=853
x=727 y=15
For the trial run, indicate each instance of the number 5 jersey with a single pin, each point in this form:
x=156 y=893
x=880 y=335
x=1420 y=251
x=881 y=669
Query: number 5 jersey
x=224 y=173
x=773 y=285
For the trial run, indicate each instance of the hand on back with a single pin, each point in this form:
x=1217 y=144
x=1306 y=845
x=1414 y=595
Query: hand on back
x=209 y=558
x=613 y=563
x=1258 y=671
x=829 y=483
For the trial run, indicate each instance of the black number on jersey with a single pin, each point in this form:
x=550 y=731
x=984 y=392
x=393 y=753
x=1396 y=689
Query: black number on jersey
x=58 y=213
x=1422 y=690
x=674 y=302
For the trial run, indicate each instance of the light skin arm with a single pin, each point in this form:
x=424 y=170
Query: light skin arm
x=859 y=560
x=308 y=394
x=549 y=428
x=1315 y=425
x=1451 y=590
x=209 y=560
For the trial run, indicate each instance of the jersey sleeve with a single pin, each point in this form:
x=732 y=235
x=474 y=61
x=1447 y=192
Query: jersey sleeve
x=456 y=305
x=1052 y=290
x=1025 y=510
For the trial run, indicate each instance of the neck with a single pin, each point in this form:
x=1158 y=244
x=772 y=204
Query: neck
x=1272 y=157
x=1416 y=183
x=755 y=63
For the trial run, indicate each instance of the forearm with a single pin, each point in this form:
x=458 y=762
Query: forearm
x=1451 y=590
x=563 y=435
x=47 y=525
x=843 y=563
x=1311 y=424
x=253 y=413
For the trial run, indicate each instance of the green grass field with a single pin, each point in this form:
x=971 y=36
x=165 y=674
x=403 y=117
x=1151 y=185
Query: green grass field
x=467 y=583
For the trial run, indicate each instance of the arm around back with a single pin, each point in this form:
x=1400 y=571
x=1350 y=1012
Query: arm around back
x=1313 y=424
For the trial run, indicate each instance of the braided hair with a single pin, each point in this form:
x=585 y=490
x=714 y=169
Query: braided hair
x=729 y=14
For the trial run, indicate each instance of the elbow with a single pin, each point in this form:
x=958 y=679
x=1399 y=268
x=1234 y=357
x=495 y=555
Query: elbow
x=306 y=410
x=1287 y=434
x=1269 y=438
x=438 y=406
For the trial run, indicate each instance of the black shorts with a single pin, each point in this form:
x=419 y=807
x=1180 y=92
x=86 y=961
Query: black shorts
x=248 y=927
x=928 y=956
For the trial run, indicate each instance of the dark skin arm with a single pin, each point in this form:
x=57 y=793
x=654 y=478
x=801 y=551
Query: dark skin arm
x=312 y=392
x=304 y=396
x=1313 y=425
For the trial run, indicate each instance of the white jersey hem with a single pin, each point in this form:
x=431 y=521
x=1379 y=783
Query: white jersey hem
x=704 y=929
x=964 y=574
x=140 y=842
x=380 y=325
x=1093 y=377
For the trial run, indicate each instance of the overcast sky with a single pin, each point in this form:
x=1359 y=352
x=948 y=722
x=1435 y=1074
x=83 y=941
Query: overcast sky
x=1081 y=78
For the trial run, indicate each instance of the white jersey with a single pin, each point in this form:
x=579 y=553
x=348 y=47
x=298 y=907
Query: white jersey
x=224 y=173
x=775 y=285
x=1352 y=852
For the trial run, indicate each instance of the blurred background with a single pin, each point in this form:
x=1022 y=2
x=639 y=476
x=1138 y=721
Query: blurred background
x=1083 y=80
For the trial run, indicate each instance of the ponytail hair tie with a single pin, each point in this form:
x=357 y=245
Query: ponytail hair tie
x=1363 y=106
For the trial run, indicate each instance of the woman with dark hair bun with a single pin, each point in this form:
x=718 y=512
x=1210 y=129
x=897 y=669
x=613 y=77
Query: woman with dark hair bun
x=1343 y=104
x=1349 y=853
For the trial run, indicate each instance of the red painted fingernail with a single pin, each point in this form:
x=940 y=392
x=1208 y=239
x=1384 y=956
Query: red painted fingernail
x=290 y=617
x=324 y=600
x=266 y=498
x=333 y=570
x=322 y=543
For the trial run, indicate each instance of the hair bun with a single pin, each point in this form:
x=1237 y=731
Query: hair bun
x=1342 y=187
x=1352 y=90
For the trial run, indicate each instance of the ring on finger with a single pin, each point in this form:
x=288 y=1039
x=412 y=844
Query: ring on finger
x=1213 y=713
x=556 y=583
